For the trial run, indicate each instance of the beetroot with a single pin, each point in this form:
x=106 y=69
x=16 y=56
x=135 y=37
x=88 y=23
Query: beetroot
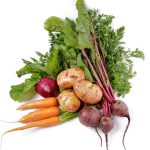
x=90 y=117
x=46 y=87
x=106 y=124
x=119 y=108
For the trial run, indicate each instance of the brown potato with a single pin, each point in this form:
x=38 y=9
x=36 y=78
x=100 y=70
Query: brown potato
x=69 y=101
x=87 y=91
x=68 y=77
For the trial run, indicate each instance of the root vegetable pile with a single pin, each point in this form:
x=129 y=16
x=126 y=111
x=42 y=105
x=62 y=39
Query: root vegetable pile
x=82 y=75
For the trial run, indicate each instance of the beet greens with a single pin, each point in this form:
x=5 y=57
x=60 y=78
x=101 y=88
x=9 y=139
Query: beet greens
x=103 y=50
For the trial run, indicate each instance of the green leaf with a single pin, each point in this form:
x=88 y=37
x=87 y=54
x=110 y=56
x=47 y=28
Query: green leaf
x=53 y=66
x=120 y=32
x=137 y=53
x=70 y=35
x=20 y=91
x=31 y=68
x=118 y=59
x=54 y=24
x=80 y=63
x=70 y=56
x=83 y=26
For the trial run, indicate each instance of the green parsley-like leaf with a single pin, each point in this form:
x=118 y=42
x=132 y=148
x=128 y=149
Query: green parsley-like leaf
x=137 y=53
x=118 y=59
x=53 y=66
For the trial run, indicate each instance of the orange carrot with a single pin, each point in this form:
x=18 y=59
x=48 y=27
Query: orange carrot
x=41 y=123
x=40 y=114
x=43 y=103
x=46 y=122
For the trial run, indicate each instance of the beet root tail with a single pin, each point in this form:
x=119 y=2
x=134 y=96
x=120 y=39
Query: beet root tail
x=99 y=136
x=126 y=129
x=106 y=138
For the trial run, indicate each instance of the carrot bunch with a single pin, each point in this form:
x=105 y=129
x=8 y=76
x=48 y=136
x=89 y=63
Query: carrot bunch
x=47 y=114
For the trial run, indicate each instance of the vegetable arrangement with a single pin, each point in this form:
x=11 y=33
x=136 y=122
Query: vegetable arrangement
x=86 y=66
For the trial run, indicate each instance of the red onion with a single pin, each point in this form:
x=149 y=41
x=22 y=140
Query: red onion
x=46 y=87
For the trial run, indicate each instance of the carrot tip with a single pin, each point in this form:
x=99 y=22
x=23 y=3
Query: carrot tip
x=8 y=121
x=1 y=139
x=22 y=120
x=19 y=108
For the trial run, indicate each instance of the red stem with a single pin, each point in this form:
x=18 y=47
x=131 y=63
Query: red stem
x=99 y=68
x=106 y=75
x=110 y=94
x=96 y=76
x=103 y=57
x=104 y=67
x=103 y=81
x=106 y=108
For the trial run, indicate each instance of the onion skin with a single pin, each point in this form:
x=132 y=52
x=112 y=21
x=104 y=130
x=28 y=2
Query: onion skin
x=46 y=87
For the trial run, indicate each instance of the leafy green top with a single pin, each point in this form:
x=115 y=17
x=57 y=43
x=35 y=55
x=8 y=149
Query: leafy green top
x=23 y=90
x=67 y=39
x=118 y=60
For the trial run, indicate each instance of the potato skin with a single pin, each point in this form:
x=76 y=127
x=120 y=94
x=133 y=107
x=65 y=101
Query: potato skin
x=68 y=77
x=87 y=91
x=68 y=101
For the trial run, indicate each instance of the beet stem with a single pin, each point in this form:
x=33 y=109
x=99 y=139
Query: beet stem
x=104 y=109
x=96 y=76
x=128 y=117
x=103 y=80
x=99 y=136
x=102 y=61
x=106 y=138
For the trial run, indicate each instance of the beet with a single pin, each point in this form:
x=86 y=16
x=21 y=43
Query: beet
x=90 y=117
x=46 y=87
x=119 y=108
x=106 y=124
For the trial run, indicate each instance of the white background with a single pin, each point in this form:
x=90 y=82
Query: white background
x=22 y=33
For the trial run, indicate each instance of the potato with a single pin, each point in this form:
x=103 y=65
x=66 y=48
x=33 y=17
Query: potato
x=68 y=77
x=68 y=101
x=87 y=91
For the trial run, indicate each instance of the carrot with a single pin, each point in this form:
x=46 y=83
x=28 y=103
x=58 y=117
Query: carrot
x=42 y=103
x=52 y=121
x=40 y=114
x=44 y=123
x=41 y=123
